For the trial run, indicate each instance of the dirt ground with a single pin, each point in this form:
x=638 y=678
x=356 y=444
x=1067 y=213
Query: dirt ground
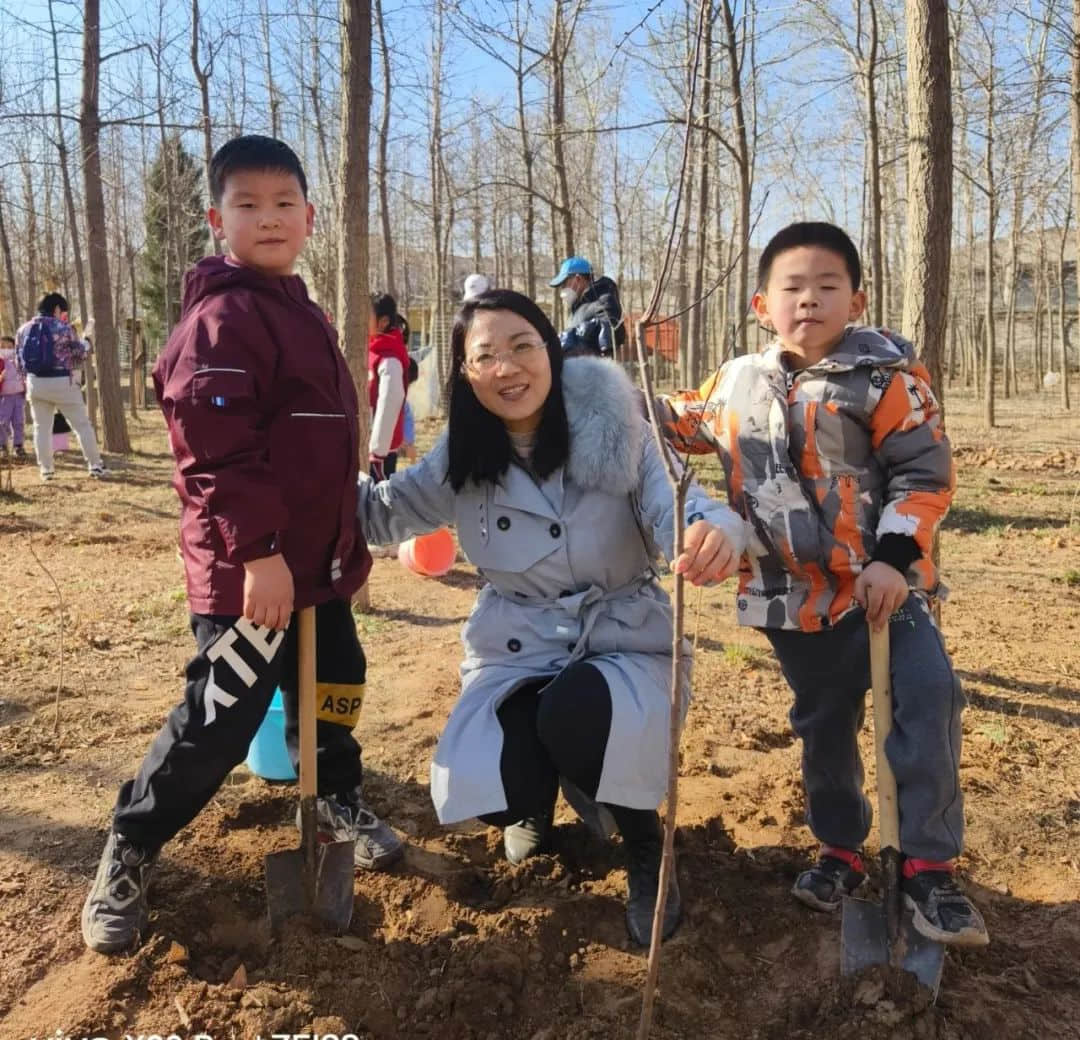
x=454 y=942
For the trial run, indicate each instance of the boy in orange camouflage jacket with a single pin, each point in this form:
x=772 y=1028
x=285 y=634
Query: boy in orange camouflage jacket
x=835 y=456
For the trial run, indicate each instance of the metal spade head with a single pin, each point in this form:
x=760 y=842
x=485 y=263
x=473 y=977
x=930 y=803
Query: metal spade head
x=314 y=880
x=864 y=941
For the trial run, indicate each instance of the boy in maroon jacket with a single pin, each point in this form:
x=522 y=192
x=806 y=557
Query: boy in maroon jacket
x=262 y=419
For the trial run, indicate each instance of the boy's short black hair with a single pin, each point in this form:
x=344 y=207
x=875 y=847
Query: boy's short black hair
x=811 y=233
x=414 y=371
x=5 y=338
x=50 y=301
x=252 y=152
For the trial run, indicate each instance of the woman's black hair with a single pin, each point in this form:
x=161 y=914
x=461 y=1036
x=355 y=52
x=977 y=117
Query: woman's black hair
x=479 y=444
x=383 y=305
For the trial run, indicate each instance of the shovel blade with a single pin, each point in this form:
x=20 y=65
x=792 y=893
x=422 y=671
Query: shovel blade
x=326 y=892
x=864 y=942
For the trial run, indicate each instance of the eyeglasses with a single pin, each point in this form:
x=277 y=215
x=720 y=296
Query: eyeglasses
x=522 y=355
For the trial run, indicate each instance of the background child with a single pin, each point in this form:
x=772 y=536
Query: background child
x=835 y=455
x=50 y=353
x=261 y=413
x=388 y=363
x=12 y=401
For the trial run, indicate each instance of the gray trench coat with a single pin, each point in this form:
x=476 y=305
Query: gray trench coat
x=568 y=566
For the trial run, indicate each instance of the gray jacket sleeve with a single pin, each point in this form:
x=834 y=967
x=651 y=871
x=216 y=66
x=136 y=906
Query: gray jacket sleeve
x=412 y=502
x=656 y=504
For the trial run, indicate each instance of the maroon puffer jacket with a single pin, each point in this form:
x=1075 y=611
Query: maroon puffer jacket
x=262 y=418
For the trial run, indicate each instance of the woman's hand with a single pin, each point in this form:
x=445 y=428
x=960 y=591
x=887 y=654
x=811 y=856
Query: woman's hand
x=708 y=554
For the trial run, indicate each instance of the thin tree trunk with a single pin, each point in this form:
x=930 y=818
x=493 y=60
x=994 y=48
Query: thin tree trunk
x=1074 y=111
x=991 y=226
x=874 y=163
x=929 y=212
x=15 y=310
x=435 y=164
x=383 y=172
x=65 y=173
x=1062 y=315
x=272 y=94
x=112 y=405
x=558 y=52
x=202 y=77
x=742 y=163
x=528 y=159
x=695 y=346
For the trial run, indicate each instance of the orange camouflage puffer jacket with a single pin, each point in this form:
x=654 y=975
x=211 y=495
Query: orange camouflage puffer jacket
x=822 y=463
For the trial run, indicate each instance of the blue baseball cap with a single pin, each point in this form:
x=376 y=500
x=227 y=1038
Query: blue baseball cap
x=571 y=265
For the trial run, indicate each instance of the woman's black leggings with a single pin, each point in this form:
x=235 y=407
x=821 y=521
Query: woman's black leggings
x=552 y=728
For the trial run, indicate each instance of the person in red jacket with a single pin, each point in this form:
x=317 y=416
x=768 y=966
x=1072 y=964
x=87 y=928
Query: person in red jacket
x=262 y=419
x=388 y=367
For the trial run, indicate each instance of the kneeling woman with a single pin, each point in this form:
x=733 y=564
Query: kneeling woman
x=560 y=499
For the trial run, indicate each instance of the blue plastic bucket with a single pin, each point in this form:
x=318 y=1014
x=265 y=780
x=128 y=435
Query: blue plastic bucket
x=268 y=757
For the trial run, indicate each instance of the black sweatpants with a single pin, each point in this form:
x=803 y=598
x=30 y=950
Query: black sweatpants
x=552 y=728
x=230 y=683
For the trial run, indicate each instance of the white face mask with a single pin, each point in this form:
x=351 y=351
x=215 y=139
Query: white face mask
x=568 y=295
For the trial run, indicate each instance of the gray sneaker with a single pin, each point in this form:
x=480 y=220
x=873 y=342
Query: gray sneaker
x=345 y=817
x=116 y=911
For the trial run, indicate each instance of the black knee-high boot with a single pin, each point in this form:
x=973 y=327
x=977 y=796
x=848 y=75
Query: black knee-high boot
x=643 y=838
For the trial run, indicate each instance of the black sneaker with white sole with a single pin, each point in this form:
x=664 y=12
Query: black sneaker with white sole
x=940 y=910
x=116 y=911
x=837 y=873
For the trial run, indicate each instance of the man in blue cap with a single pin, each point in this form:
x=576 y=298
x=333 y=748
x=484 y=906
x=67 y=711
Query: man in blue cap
x=596 y=320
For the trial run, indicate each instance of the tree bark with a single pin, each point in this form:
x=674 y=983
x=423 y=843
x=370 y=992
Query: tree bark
x=15 y=310
x=877 y=278
x=929 y=211
x=743 y=165
x=560 y=45
x=991 y=226
x=202 y=77
x=354 y=300
x=65 y=173
x=383 y=173
x=1074 y=112
x=696 y=341
x=114 y=423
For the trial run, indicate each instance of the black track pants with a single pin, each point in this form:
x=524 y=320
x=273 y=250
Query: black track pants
x=230 y=683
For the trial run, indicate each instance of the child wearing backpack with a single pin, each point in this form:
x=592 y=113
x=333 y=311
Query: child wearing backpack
x=12 y=401
x=835 y=456
x=48 y=353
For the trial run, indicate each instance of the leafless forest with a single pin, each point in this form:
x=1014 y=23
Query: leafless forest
x=441 y=138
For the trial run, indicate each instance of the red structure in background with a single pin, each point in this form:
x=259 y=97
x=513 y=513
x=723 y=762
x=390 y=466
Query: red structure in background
x=663 y=337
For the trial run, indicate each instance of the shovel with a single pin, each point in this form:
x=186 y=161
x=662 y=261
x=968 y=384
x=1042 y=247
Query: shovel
x=316 y=879
x=872 y=934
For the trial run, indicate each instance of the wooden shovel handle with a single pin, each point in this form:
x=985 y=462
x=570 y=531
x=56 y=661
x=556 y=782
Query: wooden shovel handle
x=881 y=685
x=306 y=707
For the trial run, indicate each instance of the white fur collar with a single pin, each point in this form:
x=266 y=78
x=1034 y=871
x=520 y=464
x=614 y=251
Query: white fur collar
x=605 y=425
